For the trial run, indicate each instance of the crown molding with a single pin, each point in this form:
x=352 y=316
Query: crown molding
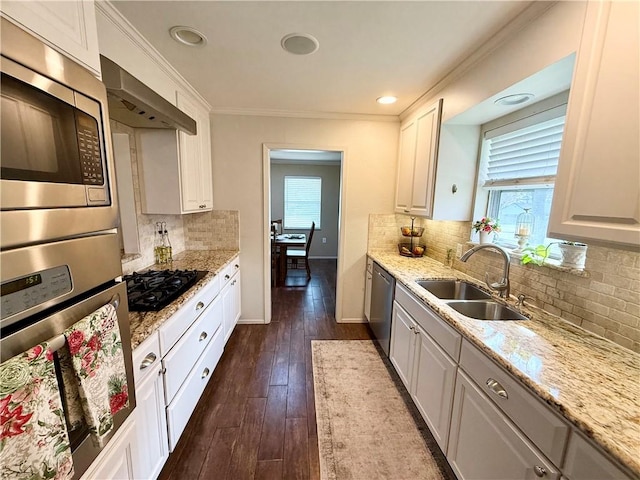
x=256 y=112
x=111 y=13
x=535 y=10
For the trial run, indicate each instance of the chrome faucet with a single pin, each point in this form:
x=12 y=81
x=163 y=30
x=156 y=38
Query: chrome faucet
x=503 y=286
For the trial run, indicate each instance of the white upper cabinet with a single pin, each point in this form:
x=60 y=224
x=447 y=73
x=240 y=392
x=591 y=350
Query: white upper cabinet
x=436 y=166
x=597 y=192
x=174 y=167
x=69 y=27
x=195 y=156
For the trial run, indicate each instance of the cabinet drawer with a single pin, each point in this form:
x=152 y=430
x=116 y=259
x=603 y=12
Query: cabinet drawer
x=181 y=358
x=585 y=462
x=533 y=417
x=180 y=321
x=146 y=358
x=445 y=335
x=180 y=409
x=229 y=271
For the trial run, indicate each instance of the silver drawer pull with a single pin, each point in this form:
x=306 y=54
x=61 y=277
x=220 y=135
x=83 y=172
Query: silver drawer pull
x=205 y=373
x=203 y=335
x=148 y=360
x=539 y=471
x=199 y=305
x=496 y=388
x=237 y=266
x=227 y=277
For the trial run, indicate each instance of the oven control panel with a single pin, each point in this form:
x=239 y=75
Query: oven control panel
x=23 y=293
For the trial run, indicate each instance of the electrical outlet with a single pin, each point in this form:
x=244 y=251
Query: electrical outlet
x=458 y=250
x=324 y=239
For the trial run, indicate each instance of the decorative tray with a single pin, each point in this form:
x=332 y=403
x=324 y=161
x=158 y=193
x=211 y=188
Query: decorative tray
x=409 y=250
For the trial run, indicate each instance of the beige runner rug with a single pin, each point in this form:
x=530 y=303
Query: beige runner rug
x=365 y=430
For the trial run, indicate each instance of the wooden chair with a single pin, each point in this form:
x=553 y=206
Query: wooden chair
x=296 y=258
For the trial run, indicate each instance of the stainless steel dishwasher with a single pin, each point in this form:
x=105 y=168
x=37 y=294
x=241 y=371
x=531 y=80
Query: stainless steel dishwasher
x=382 y=288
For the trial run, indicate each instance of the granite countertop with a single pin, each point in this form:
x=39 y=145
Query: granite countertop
x=143 y=324
x=590 y=381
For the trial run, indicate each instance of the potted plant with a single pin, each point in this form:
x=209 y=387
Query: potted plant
x=573 y=254
x=486 y=227
x=536 y=255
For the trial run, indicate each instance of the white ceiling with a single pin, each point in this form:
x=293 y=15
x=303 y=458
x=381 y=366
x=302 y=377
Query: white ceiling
x=367 y=49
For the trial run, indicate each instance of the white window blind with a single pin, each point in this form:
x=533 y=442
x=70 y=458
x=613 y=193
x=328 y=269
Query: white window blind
x=525 y=156
x=302 y=202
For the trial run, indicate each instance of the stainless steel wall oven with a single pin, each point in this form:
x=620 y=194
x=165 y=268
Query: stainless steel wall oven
x=59 y=252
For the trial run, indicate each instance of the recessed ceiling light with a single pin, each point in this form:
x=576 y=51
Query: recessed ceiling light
x=515 y=99
x=300 y=43
x=386 y=100
x=188 y=36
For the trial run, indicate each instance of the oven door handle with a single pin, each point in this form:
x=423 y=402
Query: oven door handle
x=58 y=342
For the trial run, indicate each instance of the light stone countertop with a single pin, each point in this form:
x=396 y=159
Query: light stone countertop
x=143 y=324
x=590 y=381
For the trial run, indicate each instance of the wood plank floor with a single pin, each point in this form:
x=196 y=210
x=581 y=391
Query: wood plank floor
x=256 y=418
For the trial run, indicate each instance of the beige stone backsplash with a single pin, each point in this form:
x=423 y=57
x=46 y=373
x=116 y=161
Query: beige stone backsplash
x=604 y=299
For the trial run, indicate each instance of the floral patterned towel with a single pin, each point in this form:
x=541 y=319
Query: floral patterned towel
x=33 y=437
x=95 y=348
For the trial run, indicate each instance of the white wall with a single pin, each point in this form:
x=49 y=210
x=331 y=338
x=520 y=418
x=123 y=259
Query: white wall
x=369 y=171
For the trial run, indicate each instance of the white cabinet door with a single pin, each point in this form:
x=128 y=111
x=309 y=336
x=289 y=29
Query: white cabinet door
x=69 y=27
x=433 y=385
x=195 y=159
x=116 y=461
x=417 y=162
x=231 y=305
x=597 y=193
x=485 y=445
x=367 y=289
x=401 y=351
x=151 y=422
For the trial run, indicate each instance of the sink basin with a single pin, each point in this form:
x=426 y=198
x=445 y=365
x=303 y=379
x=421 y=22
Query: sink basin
x=453 y=290
x=482 y=310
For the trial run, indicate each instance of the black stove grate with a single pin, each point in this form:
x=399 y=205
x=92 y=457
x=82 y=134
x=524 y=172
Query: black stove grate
x=155 y=289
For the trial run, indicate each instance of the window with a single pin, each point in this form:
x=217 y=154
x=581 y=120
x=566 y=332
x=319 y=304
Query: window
x=518 y=169
x=302 y=202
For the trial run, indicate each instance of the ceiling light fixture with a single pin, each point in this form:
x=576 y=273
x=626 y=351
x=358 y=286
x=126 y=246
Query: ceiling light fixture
x=515 y=99
x=188 y=36
x=300 y=43
x=386 y=100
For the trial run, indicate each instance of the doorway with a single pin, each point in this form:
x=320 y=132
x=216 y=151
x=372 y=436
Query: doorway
x=322 y=167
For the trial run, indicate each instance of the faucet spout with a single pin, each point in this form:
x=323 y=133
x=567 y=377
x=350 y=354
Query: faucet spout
x=503 y=287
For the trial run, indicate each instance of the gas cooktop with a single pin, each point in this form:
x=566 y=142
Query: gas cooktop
x=155 y=289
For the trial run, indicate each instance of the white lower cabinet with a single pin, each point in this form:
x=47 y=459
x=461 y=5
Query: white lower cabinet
x=231 y=297
x=367 y=288
x=485 y=445
x=116 y=461
x=151 y=422
x=423 y=366
x=585 y=462
x=181 y=407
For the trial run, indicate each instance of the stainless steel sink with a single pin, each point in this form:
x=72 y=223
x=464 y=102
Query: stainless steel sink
x=453 y=290
x=486 y=310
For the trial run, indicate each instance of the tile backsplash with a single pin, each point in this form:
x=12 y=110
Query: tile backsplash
x=604 y=299
x=217 y=230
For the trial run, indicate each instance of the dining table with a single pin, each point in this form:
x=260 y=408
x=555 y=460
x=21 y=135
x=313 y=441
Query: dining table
x=280 y=243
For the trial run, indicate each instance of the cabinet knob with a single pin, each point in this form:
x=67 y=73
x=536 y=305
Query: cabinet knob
x=202 y=206
x=203 y=335
x=496 y=388
x=148 y=360
x=406 y=210
x=199 y=305
x=227 y=277
x=539 y=471
x=205 y=373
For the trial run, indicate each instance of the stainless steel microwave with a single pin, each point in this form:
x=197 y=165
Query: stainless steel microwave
x=55 y=145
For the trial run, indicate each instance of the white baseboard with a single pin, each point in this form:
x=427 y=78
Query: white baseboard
x=353 y=320
x=252 y=321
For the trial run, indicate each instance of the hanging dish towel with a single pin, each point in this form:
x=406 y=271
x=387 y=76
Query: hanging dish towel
x=33 y=435
x=95 y=348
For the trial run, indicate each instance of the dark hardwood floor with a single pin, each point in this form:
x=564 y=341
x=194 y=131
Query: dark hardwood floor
x=256 y=418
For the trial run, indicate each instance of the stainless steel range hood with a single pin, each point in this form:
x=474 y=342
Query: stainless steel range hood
x=133 y=103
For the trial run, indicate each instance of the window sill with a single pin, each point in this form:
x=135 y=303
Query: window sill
x=552 y=263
